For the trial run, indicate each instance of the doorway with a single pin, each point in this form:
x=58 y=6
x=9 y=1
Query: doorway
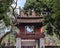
x=28 y=47
x=28 y=43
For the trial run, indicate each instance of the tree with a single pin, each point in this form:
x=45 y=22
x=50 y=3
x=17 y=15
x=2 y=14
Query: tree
x=4 y=8
x=55 y=10
x=52 y=10
x=35 y=5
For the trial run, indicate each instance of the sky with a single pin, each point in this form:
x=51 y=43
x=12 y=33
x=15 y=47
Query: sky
x=21 y=3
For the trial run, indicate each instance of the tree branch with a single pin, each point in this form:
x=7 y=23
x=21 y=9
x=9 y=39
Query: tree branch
x=13 y=24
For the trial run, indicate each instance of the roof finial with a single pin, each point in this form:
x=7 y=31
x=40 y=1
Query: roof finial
x=33 y=12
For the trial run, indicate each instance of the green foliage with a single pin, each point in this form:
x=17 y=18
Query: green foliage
x=1 y=16
x=56 y=9
x=54 y=18
x=34 y=5
x=52 y=8
x=6 y=20
x=4 y=8
x=49 y=29
x=4 y=5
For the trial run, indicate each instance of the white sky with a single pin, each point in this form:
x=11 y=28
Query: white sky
x=21 y=3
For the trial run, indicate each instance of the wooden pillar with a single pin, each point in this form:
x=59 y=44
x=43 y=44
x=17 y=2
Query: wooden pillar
x=42 y=43
x=18 y=42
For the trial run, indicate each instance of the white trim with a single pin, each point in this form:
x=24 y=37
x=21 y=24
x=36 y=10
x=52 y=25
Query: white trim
x=27 y=40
